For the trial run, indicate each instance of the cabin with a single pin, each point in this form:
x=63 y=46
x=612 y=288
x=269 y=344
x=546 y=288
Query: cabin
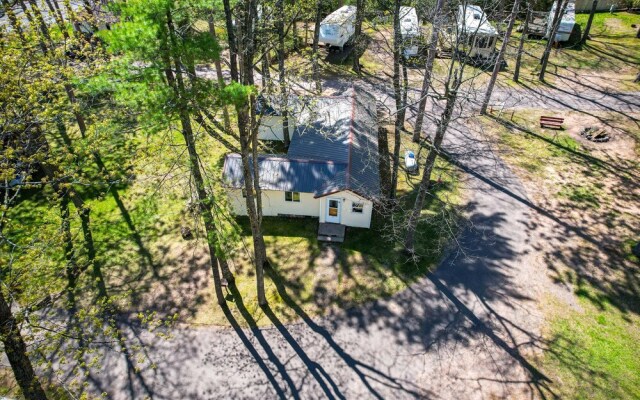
x=480 y=36
x=270 y=119
x=330 y=171
x=410 y=31
x=338 y=28
x=567 y=22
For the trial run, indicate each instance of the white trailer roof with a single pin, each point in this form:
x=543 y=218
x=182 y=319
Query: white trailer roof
x=409 y=25
x=340 y=16
x=472 y=20
x=569 y=16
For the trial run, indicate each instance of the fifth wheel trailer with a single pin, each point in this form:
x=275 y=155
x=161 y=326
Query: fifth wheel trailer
x=338 y=28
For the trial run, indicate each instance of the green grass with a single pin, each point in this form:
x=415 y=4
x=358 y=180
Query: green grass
x=589 y=196
x=537 y=152
x=594 y=352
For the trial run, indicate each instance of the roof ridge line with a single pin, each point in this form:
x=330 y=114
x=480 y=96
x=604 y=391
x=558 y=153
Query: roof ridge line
x=347 y=181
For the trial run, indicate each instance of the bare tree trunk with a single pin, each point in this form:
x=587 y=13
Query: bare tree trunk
x=560 y=7
x=525 y=30
x=16 y=351
x=314 y=53
x=423 y=189
x=397 y=89
x=385 y=170
x=246 y=127
x=83 y=211
x=428 y=70
x=294 y=32
x=204 y=202
x=358 y=39
x=587 y=29
x=282 y=71
x=225 y=111
x=499 y=58
x=233 y=44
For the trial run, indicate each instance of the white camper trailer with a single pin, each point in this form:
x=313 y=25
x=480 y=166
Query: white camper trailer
x=567 y=21
x=338 y=28
x=479 y=36
x=410 y=31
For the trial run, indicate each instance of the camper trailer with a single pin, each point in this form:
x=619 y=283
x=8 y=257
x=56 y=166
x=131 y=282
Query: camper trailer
x=478 y=35
x=410 y=31
x=338 y=28
x=567 y=22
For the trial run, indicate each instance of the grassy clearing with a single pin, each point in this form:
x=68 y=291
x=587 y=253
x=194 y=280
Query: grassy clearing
x=593 y=352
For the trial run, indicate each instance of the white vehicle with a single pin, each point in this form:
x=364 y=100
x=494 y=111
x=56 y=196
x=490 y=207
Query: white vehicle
x=479 y=36
x=566 y=23
x=410 y=162
x=410 y=31
x=338 y=28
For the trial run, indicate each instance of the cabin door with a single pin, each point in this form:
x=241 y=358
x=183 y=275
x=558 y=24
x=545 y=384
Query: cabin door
x=333 y=211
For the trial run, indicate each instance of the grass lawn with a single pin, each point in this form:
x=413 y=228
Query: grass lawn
x=593 y=352
x=148 y=266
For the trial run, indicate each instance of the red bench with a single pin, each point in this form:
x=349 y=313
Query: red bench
x=551 y=122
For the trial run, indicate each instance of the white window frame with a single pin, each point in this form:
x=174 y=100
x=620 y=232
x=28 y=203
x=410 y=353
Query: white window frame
x=355 y=205
x=293 y=197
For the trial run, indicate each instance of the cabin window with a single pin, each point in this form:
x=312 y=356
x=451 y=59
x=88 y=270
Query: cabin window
x=292 y=196
x=357 y=207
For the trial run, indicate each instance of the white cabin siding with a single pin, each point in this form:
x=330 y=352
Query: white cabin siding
x=270 y=128
x=347 y=216
x=274 y=204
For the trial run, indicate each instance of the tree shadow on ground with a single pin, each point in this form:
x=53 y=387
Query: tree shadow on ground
x=592 y=246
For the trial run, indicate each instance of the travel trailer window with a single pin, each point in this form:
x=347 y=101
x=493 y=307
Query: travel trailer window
x=329 y=30
x=483 y=42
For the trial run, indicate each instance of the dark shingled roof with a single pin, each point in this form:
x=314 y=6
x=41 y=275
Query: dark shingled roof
x=334 y=147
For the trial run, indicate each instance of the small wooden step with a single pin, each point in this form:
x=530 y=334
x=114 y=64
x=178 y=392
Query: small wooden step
x=331 y=233
x=333 y=239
